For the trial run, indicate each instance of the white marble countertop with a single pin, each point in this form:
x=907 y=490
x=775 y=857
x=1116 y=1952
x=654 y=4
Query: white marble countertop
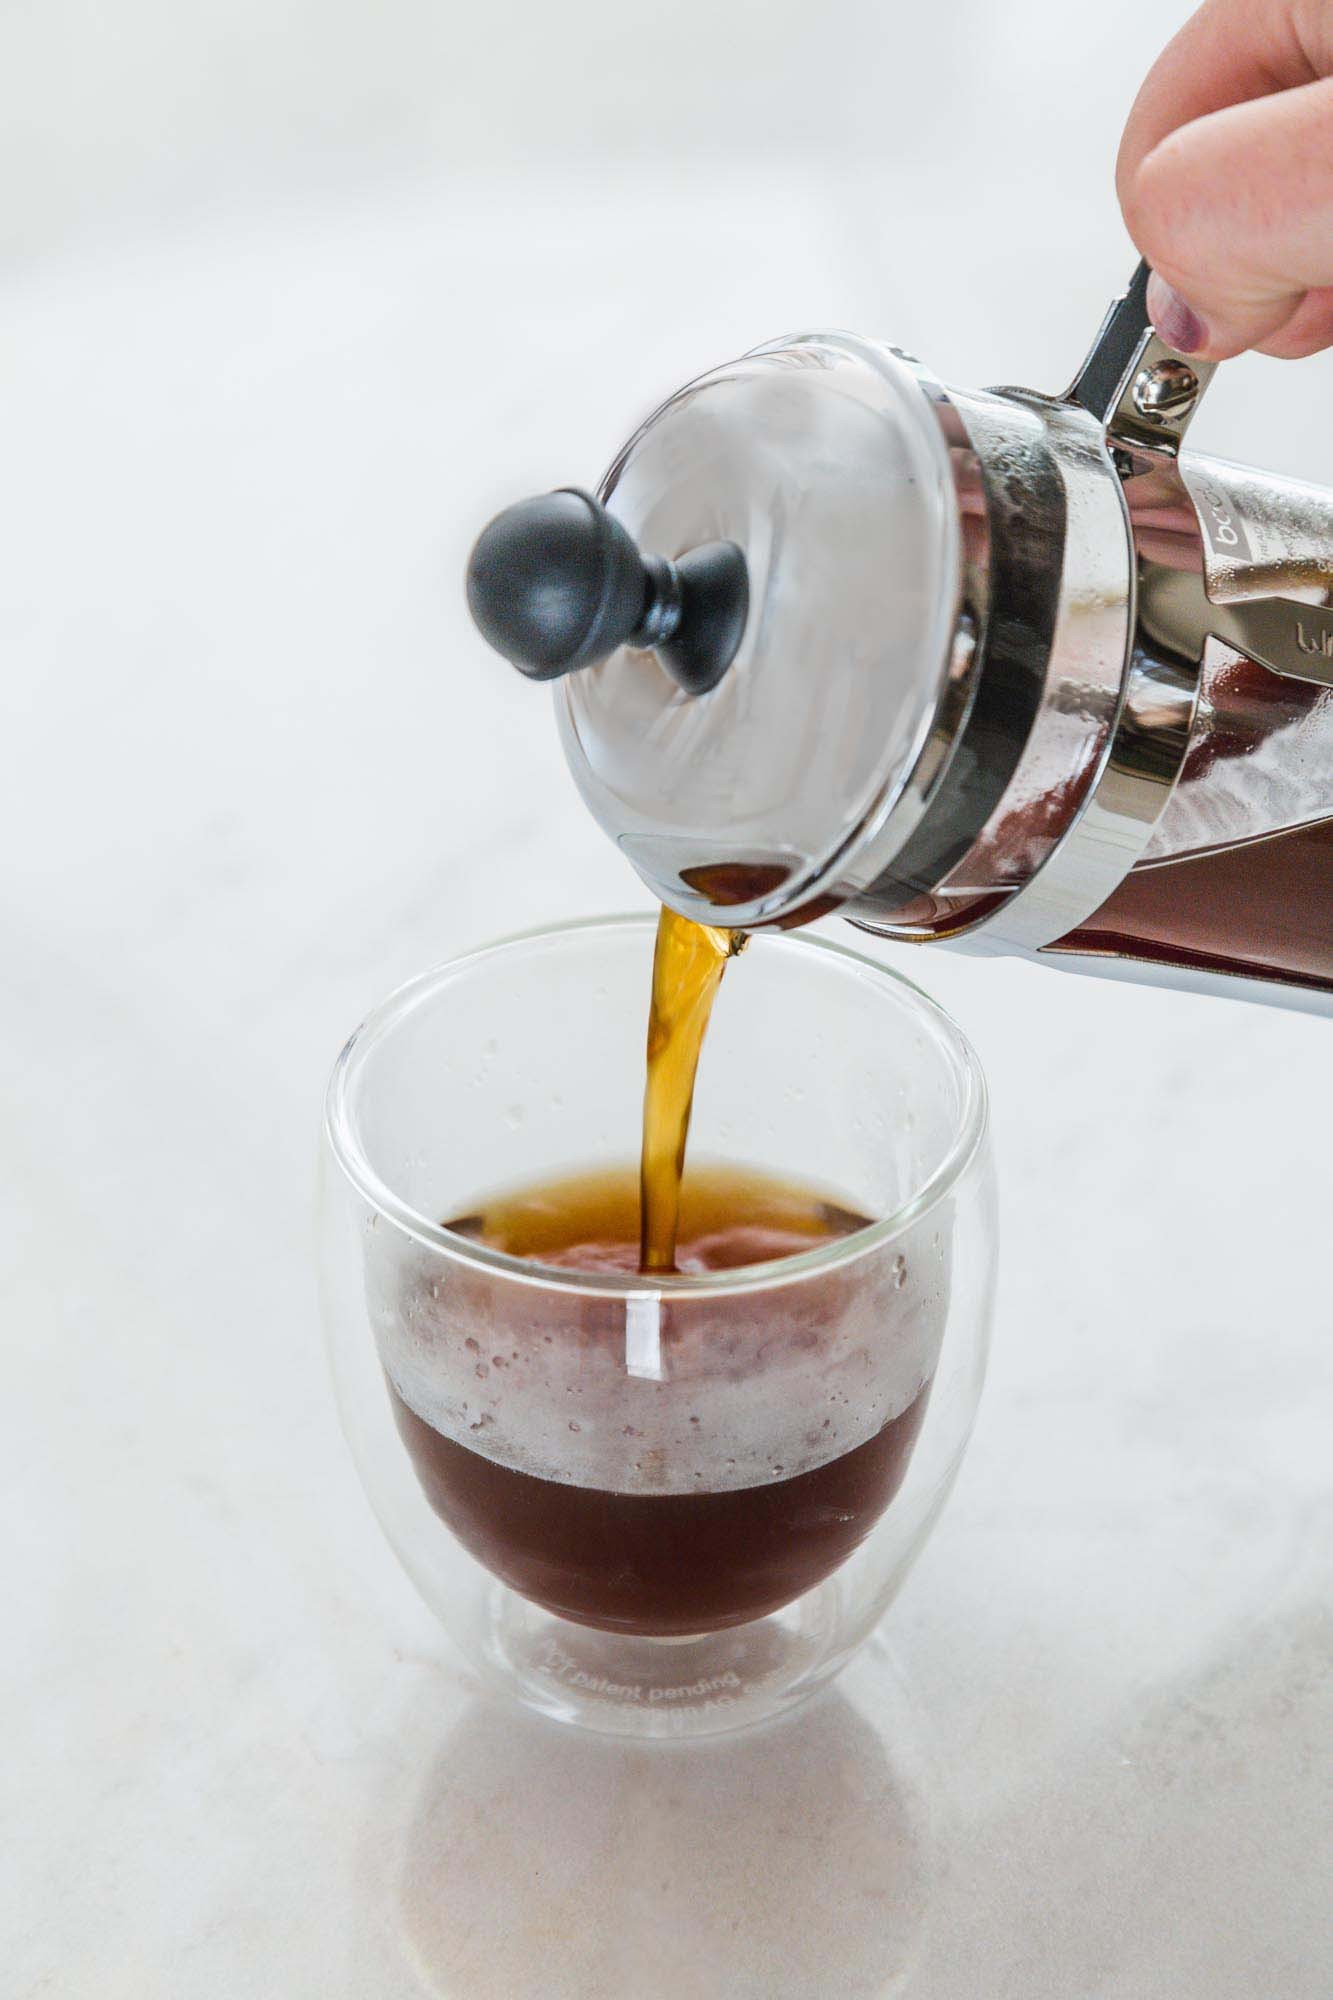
x=257 y=770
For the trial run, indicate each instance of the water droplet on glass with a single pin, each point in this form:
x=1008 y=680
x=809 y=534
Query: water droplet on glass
x=899 y=1272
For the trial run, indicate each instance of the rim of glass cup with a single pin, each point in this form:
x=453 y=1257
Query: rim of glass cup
x=344 y=1142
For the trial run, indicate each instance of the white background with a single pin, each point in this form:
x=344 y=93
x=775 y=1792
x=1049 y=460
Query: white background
x=294 y=297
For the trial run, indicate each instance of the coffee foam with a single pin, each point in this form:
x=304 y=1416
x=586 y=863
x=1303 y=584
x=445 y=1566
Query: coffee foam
x=659 y=1392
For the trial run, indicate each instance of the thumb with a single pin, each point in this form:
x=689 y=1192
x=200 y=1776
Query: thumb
x=1234 y=212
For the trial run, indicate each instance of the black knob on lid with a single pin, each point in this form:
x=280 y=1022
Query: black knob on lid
x=557 y=583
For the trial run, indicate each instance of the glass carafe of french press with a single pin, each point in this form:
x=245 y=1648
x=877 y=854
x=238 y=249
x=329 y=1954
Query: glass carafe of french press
x=999 y=670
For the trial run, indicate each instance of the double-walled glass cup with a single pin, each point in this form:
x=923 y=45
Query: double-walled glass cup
x=665 y=1506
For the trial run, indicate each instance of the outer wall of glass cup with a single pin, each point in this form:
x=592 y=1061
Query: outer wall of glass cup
x=526 y=1060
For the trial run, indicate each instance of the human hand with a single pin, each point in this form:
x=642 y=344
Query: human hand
x=1225 y=178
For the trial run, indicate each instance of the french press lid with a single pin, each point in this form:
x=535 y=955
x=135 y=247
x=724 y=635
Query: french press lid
x=750 y=627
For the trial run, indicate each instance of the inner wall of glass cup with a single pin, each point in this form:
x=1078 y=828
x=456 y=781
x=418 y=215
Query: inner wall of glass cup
x=528 y=1063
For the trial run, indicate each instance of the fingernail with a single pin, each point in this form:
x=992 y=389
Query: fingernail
x=1178 y=323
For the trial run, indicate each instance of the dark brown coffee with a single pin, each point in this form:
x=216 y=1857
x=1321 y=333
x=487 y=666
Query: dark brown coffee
x=660 y=1565
x=685 y=1536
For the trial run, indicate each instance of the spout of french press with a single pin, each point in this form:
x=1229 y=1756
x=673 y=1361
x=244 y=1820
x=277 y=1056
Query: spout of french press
x=557 y=583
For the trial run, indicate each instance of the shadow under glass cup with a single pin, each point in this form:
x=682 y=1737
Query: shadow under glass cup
x=672 y=1506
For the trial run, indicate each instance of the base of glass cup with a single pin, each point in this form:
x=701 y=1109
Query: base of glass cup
x=617 y=1684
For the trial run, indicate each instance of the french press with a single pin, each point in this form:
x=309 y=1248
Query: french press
x=998 y=670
